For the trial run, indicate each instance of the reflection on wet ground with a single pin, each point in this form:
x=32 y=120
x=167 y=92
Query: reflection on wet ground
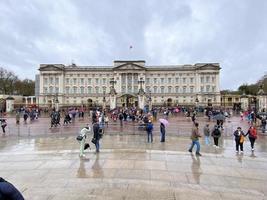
x=47 y=166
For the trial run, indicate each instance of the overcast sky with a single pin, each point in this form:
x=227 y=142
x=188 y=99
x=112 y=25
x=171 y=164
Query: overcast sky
x=161 y=32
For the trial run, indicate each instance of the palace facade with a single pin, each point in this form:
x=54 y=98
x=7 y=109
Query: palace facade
x=129 y=83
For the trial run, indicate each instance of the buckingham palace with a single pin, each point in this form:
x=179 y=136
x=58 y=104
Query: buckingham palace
x=128 y=83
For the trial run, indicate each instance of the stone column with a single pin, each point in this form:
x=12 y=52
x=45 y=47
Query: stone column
x=244 y=102
x=9 y=104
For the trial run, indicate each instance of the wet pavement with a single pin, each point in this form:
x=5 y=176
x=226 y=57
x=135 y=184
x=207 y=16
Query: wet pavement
x=43 y=163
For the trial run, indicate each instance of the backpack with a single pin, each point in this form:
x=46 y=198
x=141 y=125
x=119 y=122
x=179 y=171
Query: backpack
x=253 y=133
x=149 y=127
x=216 y=132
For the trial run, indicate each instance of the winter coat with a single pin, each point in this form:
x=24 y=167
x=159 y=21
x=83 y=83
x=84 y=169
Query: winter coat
x=9 y=191
x=216 y=133
x=238 y=135
x=162 y=128
x=96 y=129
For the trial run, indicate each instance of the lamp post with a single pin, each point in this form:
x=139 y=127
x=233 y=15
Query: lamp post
x=104 y=98
x=56 y=102
x=141 y=82
x=150 y=100
x=197 y=101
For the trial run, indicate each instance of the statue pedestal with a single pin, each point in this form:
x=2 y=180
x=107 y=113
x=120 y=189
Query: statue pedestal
x=141 y=101
x=112 y=102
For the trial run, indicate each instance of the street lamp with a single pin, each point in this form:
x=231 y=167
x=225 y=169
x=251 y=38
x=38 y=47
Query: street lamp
x=104 y=98
x=141 y=82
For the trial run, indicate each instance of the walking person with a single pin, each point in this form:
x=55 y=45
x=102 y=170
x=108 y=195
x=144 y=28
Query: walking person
x=263 y=124
x=97 y=136
x=252 y=136
x=216 y=134
x=3 y=125
x=195 y=139
x=206 y=131
x=149 y=130
x=239 y=139
x=162 y=132
x=83 y=135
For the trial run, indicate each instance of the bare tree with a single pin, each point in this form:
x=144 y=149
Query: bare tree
x=7 y=81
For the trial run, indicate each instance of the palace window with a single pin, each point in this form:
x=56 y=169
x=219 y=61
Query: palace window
x=169 y=80
x=89 y=81
x=169 y=89
x=213 y=88
x=207 y=88
x=45 y=81
x=123 y=88
x=155 y=80
x=177 y=89
x=202 y=79
x=74 y=81
x=191 y=89
x=177 y=80
x=184 y=80
x=202 y=88
x=74 y=90
x=184 y=89
x=135 y=89
x=89 y=90
x=191 y=80
x=162 y=89
x=96 y=81
x=147 y=89
x=57 y=81
x=57 y=90
x=51 y=89
x=51 y=80
x=97 y=90
x=82 y=81
x=82 y=90
x=162 y=80
x=104 y=81
x=155 y=89
x=207 y=79
x=67 y=81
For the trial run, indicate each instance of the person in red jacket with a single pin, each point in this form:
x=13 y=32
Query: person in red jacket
x=252 y=136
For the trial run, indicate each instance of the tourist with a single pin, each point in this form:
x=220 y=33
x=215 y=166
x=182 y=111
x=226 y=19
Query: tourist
x=8 y=191
x=216 y=134
x=252 y=136
x=3 y=125
x=106 y=119
x=195 y=139
x=239 y=139
x=149 y=130
x=162 y=132
x=263 y=124
x=97 y=136
x=206 y=131
x=83 y=135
